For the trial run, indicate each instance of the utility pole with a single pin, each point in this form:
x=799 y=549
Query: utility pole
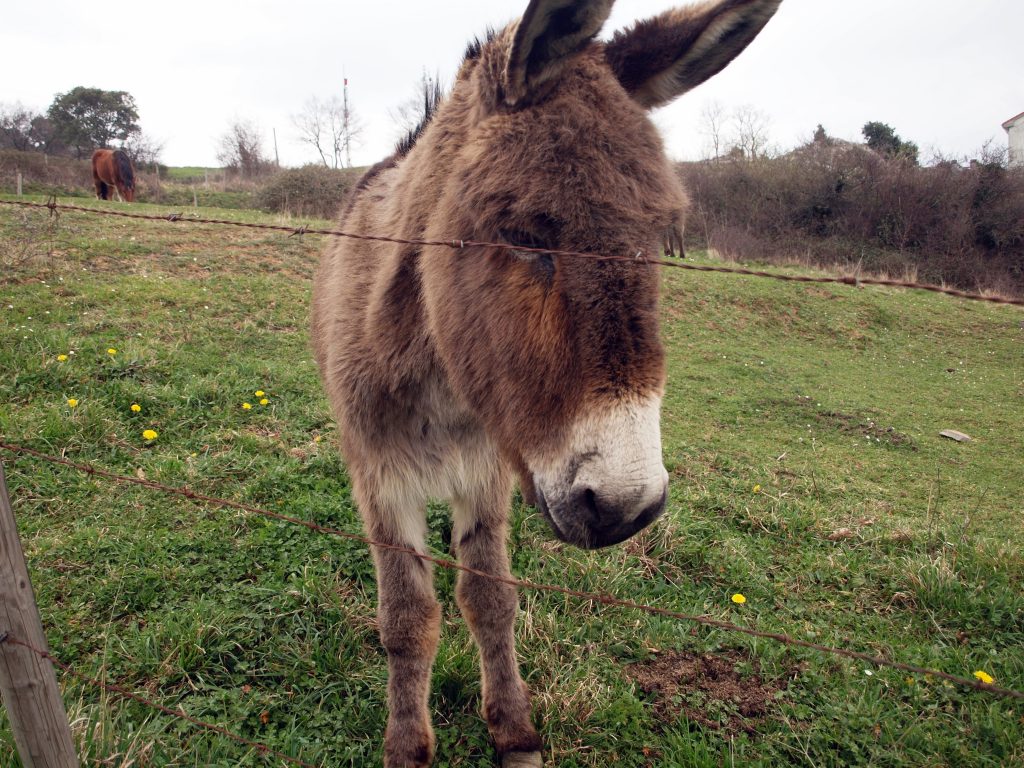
x=346 y=127
x=277 y=160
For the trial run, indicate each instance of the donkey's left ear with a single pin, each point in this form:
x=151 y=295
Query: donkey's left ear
x=662 y=58
x=549 y=32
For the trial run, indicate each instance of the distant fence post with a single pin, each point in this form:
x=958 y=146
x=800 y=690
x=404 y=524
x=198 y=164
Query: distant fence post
x=27 y=681
x=19 y=183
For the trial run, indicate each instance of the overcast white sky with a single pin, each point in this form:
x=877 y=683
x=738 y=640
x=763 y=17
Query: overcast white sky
x=943 y=73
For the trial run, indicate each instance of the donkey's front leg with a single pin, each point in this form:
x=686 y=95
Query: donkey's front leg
x=409 y=620
x=490 y=610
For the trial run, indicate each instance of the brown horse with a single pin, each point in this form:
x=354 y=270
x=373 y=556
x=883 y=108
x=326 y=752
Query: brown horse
x=112 y=170
x=452 y=371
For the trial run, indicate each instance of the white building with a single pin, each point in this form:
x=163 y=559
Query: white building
x=1015 y=128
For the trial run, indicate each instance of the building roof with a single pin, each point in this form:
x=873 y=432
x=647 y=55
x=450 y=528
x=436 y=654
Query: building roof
x=1013 y=120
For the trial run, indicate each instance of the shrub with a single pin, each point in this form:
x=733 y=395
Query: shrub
x=842 y=204
x=312 y=190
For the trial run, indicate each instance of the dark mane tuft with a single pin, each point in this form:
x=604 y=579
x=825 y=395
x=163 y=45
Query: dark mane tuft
x=476 y=45
x=432 y=98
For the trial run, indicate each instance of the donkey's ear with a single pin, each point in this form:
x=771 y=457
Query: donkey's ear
x=549 y=32
x=662 y=58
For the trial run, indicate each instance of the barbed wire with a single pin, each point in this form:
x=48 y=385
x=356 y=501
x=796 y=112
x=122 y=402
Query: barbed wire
x=125 y=693
x=53 y=206
x=605 y=599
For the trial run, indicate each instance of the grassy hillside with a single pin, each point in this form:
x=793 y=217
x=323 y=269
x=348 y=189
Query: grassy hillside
x=800 y=429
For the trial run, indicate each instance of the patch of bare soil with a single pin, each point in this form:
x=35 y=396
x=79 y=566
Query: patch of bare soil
x=708 y=689
x=859 y=425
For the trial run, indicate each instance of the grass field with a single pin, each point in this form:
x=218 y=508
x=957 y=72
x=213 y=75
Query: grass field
x=800 y=430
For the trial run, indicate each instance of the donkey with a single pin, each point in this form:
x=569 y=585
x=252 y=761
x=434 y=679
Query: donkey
x=450 y=372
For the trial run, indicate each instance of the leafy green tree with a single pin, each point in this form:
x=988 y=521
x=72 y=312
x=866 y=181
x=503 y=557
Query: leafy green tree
x=87 y=118
x=883 y=138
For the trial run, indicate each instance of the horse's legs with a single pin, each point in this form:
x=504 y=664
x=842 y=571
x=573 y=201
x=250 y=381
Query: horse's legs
x=408 y=618
x=101 y=188
x=490 y=610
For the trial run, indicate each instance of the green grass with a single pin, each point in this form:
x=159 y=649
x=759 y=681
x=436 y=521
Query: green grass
x=869 y=531
x=183 y=196
x=192 y=172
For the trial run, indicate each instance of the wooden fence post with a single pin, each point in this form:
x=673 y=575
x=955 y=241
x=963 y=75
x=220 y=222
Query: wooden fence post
x=19 y=183
x=27 y=681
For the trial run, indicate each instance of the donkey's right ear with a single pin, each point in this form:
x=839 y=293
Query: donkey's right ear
x=549 y=32
x=662 y=58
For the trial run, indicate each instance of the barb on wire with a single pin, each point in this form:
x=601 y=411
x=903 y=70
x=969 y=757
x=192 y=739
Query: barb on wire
x=605 y=599
x=51 y=203
x=462 y=244
x=126 y=694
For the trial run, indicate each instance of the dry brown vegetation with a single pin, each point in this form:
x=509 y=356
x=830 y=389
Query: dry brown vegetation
x=43 y=172
x=312 y=190
x=829 y=204
x=838 y=204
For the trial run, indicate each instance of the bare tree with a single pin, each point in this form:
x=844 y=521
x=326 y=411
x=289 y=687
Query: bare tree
x=751 y=132
x=144 y=150
x=411 y=113
x=16 y=127
x=240 y=148
x=331 y=127
x=713 y=119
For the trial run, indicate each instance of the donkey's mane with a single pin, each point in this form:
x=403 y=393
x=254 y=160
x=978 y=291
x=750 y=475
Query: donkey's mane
x=433 y=95
x=432 y=98
x=476 y=45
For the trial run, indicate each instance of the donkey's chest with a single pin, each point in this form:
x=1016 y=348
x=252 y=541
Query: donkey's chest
x=425 y=441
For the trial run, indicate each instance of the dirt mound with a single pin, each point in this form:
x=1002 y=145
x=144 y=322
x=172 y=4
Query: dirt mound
x=708 y=689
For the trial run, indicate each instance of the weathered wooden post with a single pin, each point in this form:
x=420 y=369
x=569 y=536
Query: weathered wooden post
x=19 y=183
x=27 y=681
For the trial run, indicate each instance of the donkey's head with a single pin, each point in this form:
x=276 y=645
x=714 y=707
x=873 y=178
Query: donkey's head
x=545 y=142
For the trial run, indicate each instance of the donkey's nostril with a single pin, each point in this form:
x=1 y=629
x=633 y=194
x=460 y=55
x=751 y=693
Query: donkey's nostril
x=588 y=504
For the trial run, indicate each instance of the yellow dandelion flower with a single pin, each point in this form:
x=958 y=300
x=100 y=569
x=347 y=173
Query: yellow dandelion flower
x=264 y=401
x=246 y=406
x=317 y=439
x=985 y=677
x=757 y=489
x=72 y=402
x=136 y=407
x=111 y=351
x=259 y=393
x=738 y=599
x=150 y=434
x=61 y=358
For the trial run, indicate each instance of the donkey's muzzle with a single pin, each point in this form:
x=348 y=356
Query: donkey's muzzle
x=585 y=520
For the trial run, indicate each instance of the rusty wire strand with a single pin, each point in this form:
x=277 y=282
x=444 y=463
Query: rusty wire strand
x=878 y=661
x=125 y=693
x=855 y=281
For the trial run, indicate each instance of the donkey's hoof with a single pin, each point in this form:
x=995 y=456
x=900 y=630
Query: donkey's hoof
x=521 y=760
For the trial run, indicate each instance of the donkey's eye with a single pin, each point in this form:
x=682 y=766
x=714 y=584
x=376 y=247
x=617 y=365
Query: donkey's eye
x=544 y=262
x=514 y=237
x=525 y=240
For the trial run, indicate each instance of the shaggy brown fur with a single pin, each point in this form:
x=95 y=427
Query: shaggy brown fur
x=451 y=371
